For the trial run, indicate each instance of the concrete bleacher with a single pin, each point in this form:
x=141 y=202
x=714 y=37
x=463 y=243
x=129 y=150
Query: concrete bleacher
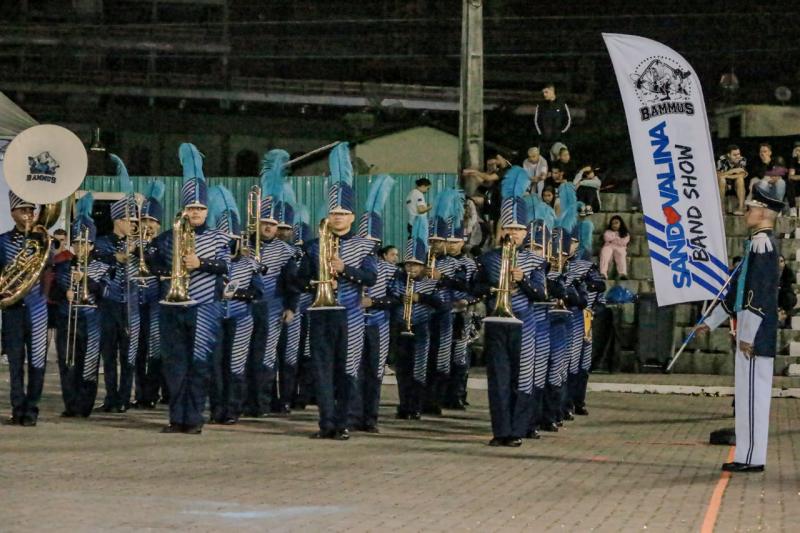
x=708 y=354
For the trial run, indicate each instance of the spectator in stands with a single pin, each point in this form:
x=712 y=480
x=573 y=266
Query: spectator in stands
x=415 y=201
x=556 y=178
x=787 y=299
x=487 y=197
x=536 y=167
x=549 y=196
x=587 y=187
x=773 y=180
x=615 y=245
x=551 y=118
x=565 y=163
x=793 y=181
x=759 y=168
x=731 y=173
x=474 y=229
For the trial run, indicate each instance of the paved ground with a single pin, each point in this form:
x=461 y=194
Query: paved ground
x=638 y=462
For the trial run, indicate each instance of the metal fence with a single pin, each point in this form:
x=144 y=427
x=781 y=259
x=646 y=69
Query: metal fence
x=310 y=190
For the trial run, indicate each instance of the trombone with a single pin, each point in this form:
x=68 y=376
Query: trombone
x=80 y=294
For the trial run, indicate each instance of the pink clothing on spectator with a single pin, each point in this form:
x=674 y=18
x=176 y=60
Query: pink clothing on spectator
x=615 y=247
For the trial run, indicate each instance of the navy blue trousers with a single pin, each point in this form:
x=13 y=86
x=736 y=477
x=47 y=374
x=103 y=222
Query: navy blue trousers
x=329 y=364
x=509 y=410
x=115 y=347
x=79 y=382
x=187 y=353
x=366 y=398
x=148 y=364
x=411 y=368
x=24 y=336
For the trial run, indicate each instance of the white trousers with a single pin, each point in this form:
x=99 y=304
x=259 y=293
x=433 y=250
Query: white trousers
x=753 y=396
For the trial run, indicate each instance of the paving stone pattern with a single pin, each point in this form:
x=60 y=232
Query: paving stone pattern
x=639 y=462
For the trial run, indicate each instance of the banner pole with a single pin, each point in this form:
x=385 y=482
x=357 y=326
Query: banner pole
x=705 y=315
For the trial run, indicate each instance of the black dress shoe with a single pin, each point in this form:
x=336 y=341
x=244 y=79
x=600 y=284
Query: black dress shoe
x=282 y=411
x=12 y=421
x=68 y=414
x=106 y=408
x=121 y=409
x=496 y=442
x=401 y=415
x=512 y=442
x=28 y=421
x=193 y=430
x=230 y=421
x=551 y=427
x=568 y=416
x=533 y=434
x=172 y=428
x=582 y=411
x=342 y=435
x=560 y=423
x=742 y=467
x=327 y=434
x=416 y=415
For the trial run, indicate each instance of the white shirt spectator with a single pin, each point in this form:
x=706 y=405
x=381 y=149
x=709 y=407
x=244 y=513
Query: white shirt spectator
x=414 y=200
x=539 y=169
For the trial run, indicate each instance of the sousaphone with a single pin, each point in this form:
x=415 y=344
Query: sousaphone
x=43 y=165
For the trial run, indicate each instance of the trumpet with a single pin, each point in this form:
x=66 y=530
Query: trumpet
x=408 y=306
x=183 y=244
x=557 y=263
x=503 y=311
x=253 y=224
x=80 y=294
x=328 y=248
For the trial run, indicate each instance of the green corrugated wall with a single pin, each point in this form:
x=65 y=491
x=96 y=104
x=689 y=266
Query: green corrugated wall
x=310 y=190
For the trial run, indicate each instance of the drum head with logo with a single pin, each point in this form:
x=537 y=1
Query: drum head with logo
x=45 y=164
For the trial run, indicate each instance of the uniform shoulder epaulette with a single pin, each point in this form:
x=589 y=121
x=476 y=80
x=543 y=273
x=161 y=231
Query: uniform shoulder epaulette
x=761 y=243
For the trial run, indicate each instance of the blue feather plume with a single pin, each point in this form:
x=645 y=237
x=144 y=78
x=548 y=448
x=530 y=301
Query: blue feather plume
x=568 y=202
x=458 y=208
x=340 y=165
x=538 y=209
x=301 y=214
x=125 y=183
x=443 y=208
x=287 y=193
x=273 y=172
x=191 y=161
x=379 y=191
x=585 y=236
x=419 y=236
x=515 y=183
x=220 y=200
x=155 y=189
x=84 y=206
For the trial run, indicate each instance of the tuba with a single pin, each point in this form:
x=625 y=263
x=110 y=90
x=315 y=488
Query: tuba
x=502 y=311
x=44 y=165
x=253 y=225
x=328 y=248
x=182 y=245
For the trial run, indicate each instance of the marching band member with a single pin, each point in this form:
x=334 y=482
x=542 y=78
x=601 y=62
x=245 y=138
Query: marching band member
x=442 y=268
x=279 y=301
x=24 y=325
x=119 y=309
x=376 y=301
x=149 y=377
x=509 y=340
x=337 y=327
x=456 y=393
x=595 y=287
x=753 y=301
x=304 y=393
x=244 y=285
x=420 y=299
x=289 y=341
x=560 y=287
x=543 y=219
x=193 y=324
x=78 y=326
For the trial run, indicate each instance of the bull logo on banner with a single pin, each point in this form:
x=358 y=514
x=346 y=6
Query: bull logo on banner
x=662 y=87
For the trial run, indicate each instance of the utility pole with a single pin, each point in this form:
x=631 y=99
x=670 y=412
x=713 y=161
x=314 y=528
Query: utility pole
x=471 y=95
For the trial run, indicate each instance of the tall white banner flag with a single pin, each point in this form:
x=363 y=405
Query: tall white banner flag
x=675 y=168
